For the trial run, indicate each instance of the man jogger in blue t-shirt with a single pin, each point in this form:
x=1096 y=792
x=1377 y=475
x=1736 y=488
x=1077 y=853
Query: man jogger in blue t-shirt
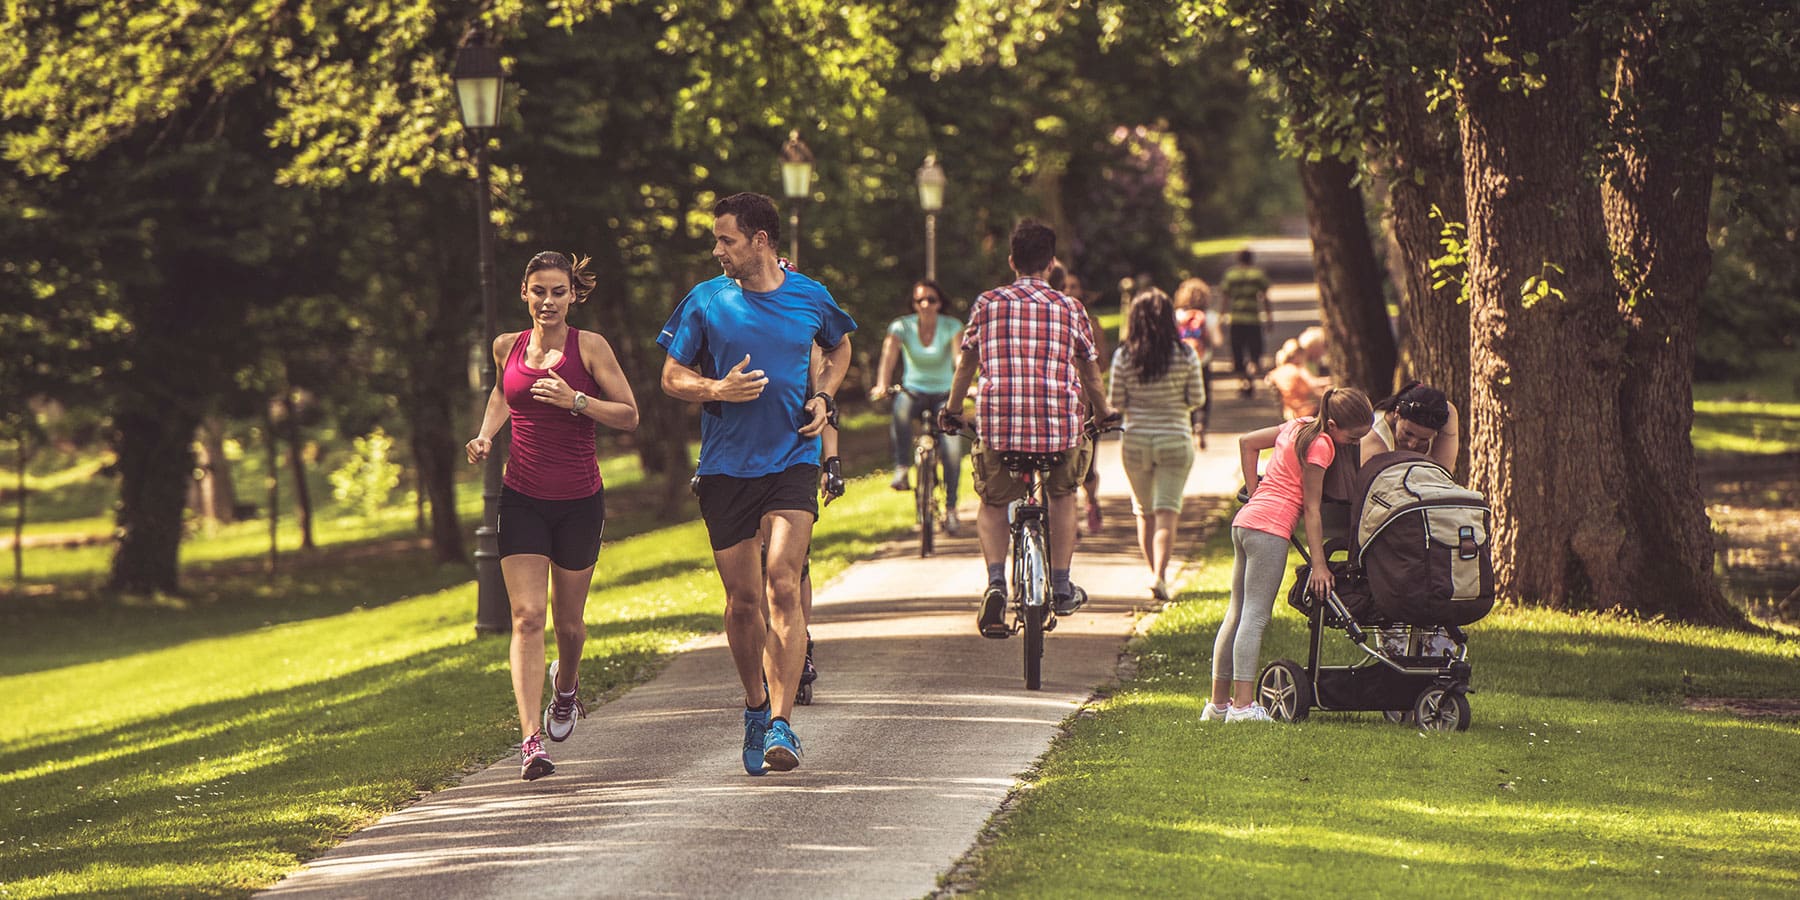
x=741 y=346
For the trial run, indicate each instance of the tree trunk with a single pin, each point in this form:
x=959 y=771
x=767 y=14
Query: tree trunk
x=664 y=423
x=1547 y=368
x=296 y=461
x=272 y=480
x=1362 y=351
x=217 y=489
x=18 y=547
x=1656 y=205
x=434 y=452
x=1425 y=173
x=154 y=442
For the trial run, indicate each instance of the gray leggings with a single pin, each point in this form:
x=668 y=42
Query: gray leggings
x=1259 y=563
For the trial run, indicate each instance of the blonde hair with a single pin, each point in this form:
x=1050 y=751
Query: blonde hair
x=1339 y=405
x=1288 y=351
x=1192 y=293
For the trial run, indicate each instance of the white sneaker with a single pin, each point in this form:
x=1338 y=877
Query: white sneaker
x=952 y=523
x=1214 y=712
x=1251 y=713
x=1160 y=590
x=564 y=709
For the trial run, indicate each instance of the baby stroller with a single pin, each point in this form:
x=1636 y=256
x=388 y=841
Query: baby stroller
x=1418 y=568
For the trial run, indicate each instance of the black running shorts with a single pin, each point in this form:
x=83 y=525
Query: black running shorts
x=567 y=531
x=734 y=507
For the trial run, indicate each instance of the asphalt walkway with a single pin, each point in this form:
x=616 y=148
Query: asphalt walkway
x=919 y=730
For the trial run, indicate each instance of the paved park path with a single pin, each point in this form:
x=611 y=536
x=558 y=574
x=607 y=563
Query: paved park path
x=919 y=731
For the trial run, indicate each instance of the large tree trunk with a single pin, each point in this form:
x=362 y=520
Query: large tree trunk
x=1656 y=205
x=1362 y=350
x=1426 y=174
x=1547 y=367
x=154 y=442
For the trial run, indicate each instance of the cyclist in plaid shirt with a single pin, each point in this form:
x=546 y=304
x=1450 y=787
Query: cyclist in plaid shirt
x=1035 y=349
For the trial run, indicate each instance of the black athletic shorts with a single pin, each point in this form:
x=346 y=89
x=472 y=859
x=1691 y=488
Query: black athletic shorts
x=567 y=531
x=734 y=507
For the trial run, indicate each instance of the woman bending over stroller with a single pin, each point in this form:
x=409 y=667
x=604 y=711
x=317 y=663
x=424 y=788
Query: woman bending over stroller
x=1420 y=419
x=1295 y=479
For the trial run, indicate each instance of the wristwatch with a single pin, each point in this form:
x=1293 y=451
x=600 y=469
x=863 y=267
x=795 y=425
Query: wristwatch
x=831 y=411
x=579 y=404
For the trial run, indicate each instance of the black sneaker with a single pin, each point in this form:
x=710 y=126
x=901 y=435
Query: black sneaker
x=1070 y=602
x=992 y=621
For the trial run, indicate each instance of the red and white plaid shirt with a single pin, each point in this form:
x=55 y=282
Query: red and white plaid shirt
x=1027 y=338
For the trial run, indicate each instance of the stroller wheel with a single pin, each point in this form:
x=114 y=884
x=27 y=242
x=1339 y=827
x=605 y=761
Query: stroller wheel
x=1285 y=691
x=1398 y=716
x=1441 y=710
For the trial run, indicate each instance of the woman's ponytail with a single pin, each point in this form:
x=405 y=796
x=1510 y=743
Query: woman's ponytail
x=1340 y=405
x=1304 y=438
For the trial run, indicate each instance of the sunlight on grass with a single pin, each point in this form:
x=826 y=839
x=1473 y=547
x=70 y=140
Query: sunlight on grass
x=1581 y=773
x=205 y=749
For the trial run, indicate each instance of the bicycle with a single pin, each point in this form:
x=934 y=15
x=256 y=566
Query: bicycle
x=1028 y=521
x=927 y=464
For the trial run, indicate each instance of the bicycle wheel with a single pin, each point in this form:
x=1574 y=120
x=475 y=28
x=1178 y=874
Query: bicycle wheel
x=1032 y=588
x=927 y=482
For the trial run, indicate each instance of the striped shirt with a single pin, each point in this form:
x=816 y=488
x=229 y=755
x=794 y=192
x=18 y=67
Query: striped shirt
x=1160 y=406
x=1027 y=338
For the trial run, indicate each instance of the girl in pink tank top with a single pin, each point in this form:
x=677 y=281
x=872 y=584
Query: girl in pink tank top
x=554 y=383
x=1291 y=486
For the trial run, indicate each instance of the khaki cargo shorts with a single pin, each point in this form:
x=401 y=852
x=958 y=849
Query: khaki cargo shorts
x=997 y=487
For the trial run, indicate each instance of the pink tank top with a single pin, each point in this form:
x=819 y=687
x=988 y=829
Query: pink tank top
x=552 y=456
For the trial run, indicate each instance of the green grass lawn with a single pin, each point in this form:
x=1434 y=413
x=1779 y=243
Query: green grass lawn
x=208 y=745
x=1582 y=773
x=1758 y=415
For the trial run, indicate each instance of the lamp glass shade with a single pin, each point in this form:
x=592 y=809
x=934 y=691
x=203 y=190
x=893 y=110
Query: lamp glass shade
x=478 y=76
x=480 y=99
x=796 y=179
x=931 y=185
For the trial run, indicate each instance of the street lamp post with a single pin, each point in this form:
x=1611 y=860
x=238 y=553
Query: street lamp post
x=480 y=81
x=931 y=199
x=796 y=185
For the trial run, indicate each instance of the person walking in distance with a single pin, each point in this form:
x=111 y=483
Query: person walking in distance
x=1248 y=313
x=927 y=341
x=1292 y=486
x=1193 y=297
x=555 y=382
x=1035 y=350
x=1070 y=284
x=741 y=346
x=1156 y=383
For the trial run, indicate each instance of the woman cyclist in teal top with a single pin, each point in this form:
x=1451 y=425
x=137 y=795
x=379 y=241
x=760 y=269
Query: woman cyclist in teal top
x=927 y=340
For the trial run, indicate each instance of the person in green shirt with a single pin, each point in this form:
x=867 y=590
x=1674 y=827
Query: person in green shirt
x=1245 y=306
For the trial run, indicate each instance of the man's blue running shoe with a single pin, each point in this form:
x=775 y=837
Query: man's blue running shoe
x=781 y=750
x=756 y=728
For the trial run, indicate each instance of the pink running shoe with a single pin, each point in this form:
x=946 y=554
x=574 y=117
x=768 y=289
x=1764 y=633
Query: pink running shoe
x=535 y=762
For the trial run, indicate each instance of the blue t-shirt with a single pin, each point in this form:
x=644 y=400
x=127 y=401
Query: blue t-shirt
x=929 y=370
x=715 y=326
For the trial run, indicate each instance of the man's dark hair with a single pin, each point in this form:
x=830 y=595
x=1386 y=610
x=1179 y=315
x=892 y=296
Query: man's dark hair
x=1246 y=257
x=755 y=212
x=1033 y=247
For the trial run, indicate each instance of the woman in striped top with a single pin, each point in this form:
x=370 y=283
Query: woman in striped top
x=1157 y=382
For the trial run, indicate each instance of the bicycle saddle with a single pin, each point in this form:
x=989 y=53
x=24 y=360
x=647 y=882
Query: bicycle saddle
x=1023 y=461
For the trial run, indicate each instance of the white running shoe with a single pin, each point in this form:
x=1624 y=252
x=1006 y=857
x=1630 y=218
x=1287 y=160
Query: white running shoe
x=1214 y=712
x=1251 y=713
x=559 y=718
